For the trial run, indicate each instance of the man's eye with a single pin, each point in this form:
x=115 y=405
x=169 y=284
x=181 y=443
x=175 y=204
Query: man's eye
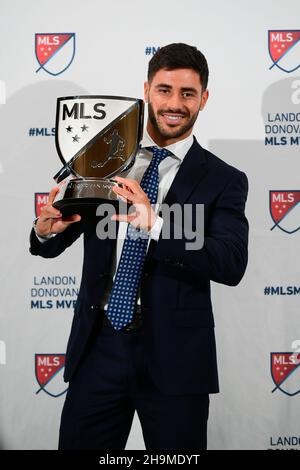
x=163 y=90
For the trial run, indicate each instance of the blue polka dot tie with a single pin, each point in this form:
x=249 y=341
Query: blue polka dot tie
x=125 y=288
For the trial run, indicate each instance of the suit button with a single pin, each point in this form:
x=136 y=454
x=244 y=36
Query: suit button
x=145 y=275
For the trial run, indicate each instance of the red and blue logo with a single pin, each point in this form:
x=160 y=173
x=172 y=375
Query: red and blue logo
x=40 y=200
x=284 y=49
x=54 y=51
x=49 y=375
x=285 y=372
x=285 y=210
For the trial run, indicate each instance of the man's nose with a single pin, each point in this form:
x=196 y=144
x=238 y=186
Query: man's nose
x=175 y=102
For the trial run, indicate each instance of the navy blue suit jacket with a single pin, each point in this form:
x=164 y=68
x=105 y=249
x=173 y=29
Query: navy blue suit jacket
x=175 y=286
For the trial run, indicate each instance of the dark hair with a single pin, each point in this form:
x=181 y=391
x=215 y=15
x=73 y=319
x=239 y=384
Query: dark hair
x=179 y=56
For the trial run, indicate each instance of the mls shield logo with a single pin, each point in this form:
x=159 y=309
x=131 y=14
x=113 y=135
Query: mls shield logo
x=97 y=136
x=40 y=200
x=49 y=375
x=285 y=372
x=285 y=210
x=54 y=51
x=284 y=49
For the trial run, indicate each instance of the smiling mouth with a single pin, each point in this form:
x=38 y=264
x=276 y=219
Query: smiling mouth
x=172 y=117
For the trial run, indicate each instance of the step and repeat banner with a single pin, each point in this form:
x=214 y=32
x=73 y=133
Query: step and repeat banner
x=252 y=121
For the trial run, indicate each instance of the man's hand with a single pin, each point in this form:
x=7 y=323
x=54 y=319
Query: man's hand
x=51 y=220
x=141 y=214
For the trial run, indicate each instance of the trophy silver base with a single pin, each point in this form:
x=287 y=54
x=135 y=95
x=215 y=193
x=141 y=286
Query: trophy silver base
x=83 y=196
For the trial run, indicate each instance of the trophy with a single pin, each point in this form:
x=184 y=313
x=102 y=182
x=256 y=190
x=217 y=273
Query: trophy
x=97 y=138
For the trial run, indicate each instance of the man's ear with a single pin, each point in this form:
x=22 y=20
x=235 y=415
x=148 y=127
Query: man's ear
x=204 y=99
x=146 y=92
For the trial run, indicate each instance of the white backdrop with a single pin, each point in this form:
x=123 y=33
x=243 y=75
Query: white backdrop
x=113 y=43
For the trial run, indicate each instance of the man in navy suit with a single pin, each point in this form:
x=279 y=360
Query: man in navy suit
x=162 y=363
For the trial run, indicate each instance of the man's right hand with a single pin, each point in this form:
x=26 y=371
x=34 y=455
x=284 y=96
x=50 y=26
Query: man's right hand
x=51 y=219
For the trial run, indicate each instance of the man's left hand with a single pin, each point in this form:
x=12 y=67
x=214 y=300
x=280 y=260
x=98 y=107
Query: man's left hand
x=141 y=214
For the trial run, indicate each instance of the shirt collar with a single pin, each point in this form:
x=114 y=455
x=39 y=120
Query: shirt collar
x=179 y=149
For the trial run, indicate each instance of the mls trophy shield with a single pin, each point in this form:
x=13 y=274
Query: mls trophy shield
x=97 y=138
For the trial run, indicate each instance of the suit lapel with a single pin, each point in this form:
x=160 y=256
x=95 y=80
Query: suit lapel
x=191 y=171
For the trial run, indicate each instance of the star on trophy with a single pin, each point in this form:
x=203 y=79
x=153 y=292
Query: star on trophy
x=97 y=138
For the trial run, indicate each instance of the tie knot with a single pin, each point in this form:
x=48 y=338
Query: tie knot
x=159 y=154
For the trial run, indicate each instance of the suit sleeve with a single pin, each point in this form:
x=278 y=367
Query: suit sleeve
x=224 y=255
x=57 y=244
